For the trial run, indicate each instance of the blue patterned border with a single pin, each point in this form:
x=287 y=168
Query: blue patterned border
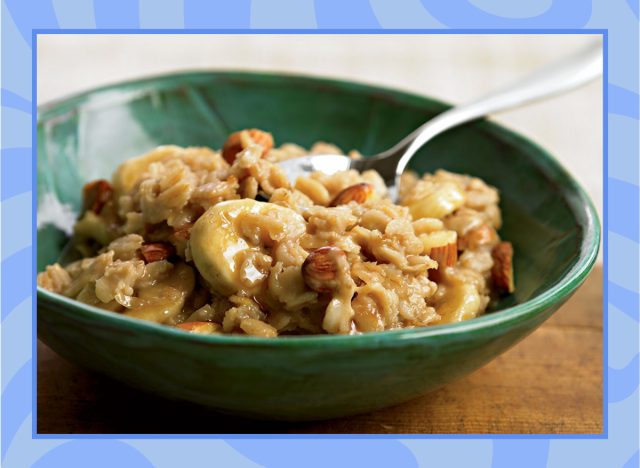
x=619 y=18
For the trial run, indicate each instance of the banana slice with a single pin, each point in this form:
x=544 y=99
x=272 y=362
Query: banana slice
x=458 y=303
x=439 y=201
x=227 y=242
x=163 y=301
x=130 y=171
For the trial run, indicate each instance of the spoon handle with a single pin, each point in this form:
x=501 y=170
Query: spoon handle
x=556 y=78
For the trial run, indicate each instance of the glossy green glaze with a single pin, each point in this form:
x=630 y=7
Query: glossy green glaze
x=547 y=216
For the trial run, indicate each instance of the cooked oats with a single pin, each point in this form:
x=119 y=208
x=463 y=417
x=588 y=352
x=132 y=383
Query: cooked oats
x=213 y=244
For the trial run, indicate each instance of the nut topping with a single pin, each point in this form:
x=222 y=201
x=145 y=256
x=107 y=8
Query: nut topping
x=156 y=251
x=95 y=194
x=237 y=141
x=358 y=193
x=441 y=246
x=502 y=271
x=445 y=255
x=321 y=268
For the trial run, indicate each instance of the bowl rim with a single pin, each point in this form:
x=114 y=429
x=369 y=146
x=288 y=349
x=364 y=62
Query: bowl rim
x=580 y=204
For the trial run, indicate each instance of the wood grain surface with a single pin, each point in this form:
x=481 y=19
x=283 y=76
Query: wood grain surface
x=551 y=382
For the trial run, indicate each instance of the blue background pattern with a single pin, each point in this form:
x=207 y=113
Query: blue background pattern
x=619 y=448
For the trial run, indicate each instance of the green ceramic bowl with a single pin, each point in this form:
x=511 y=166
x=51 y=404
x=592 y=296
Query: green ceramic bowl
x=547 y=216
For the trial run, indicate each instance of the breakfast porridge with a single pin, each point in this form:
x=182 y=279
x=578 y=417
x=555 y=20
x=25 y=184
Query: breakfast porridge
x=222 y=242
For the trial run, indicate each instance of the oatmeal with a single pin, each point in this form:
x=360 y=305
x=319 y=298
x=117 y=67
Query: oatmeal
x=222 y=242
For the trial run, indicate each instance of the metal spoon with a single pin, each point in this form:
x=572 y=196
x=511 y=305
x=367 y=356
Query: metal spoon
x=556 y=78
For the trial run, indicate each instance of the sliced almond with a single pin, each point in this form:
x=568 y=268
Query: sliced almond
x=446 y=255
x=441 y=246
x=358 y=193
x=320 y=269
x=95 y=194
x=236 y=142
x=502 y=270
x=156 y=251
x=201 y=328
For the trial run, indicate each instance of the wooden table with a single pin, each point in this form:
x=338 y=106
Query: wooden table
x=549 y=383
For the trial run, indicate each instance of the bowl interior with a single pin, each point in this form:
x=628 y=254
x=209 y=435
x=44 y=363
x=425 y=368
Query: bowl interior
x=545 y=213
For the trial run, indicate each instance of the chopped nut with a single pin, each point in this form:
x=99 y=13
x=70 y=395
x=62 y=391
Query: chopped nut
x=201 y=328
x=236 y=143
x=441 y=246
x=95 y=194
x=320 y=269
x=502 y=271
x=446 y=255
x=358 y=193
x=156 y=251
x=478 y=236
